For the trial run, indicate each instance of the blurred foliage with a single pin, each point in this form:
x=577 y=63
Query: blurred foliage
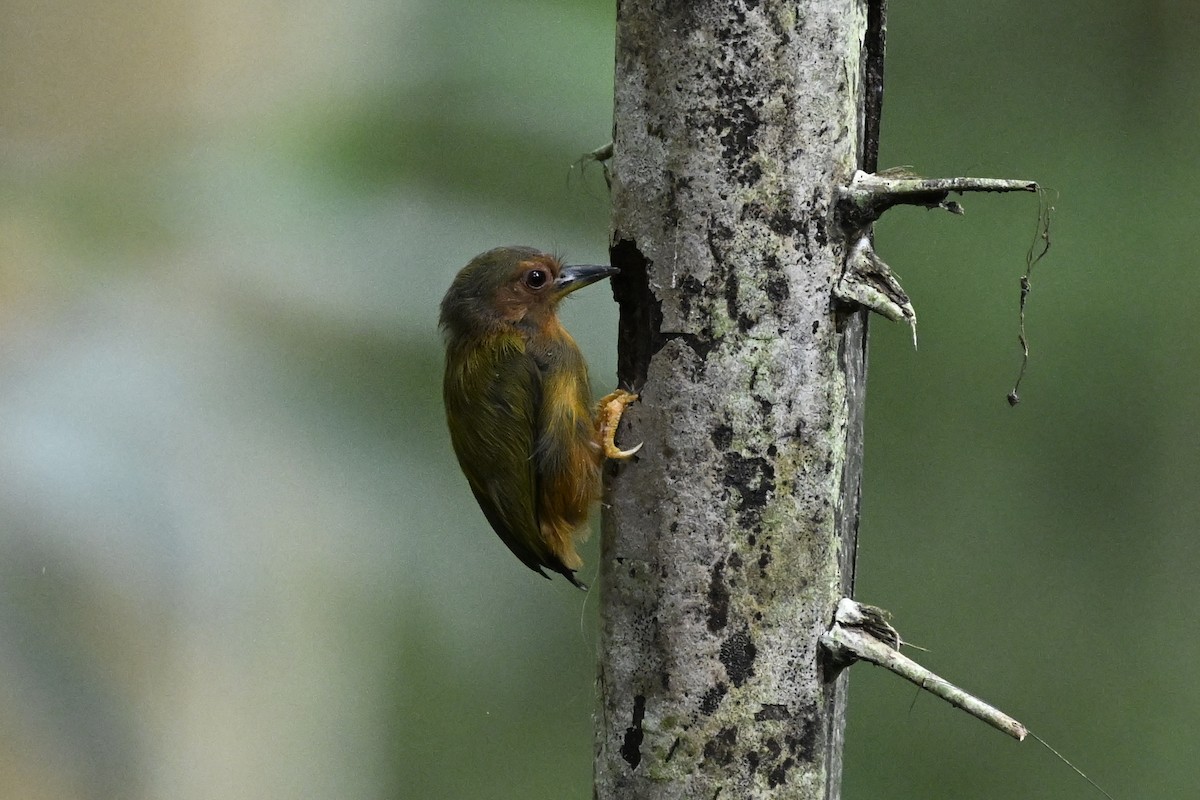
x=236 y=557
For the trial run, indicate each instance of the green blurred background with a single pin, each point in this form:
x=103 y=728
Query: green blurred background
x=236 y=557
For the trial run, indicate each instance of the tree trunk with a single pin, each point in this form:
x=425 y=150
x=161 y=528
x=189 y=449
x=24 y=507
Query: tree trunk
x=729 y=541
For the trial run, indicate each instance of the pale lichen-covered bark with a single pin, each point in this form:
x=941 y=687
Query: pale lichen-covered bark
x=730 y=539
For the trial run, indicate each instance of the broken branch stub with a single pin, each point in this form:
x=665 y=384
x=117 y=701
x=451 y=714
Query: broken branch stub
x=869 y=195
x=867 y=280
x=862 y=632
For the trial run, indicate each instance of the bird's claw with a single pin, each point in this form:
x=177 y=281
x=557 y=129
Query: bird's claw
x=611 y=451
x=612 y=406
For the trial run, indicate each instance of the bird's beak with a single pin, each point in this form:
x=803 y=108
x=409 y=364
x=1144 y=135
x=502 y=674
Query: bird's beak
x=576 y=277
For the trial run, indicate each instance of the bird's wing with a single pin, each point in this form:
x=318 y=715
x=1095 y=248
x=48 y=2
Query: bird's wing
x=492 y=397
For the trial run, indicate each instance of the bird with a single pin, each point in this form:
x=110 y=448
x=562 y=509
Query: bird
x=519 y=404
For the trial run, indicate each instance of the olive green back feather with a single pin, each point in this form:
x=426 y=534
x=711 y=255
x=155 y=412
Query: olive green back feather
x=492 y=392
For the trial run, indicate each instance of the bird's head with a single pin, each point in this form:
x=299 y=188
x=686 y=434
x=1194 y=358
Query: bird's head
x=512 y=287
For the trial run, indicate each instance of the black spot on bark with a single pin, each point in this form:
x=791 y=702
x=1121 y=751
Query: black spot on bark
x=718 y=599
x=778 y=776
x=737 y=654
x=731 y=295
x=752 y=760
x=713 y=697
x=783 y=223
x=737 y=120
x=722 y=437
x=753 y=478
x=806 y=742
x=631 y=748
x=818 y=224
x=750 y=174
x=770 y=711
x=720 y=748
x=732 y=307
x=778 y=290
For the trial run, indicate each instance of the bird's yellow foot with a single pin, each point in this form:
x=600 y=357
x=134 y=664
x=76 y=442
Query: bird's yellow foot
x=608 y=417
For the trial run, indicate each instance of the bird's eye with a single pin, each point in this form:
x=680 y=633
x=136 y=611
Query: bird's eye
x=536 y=278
